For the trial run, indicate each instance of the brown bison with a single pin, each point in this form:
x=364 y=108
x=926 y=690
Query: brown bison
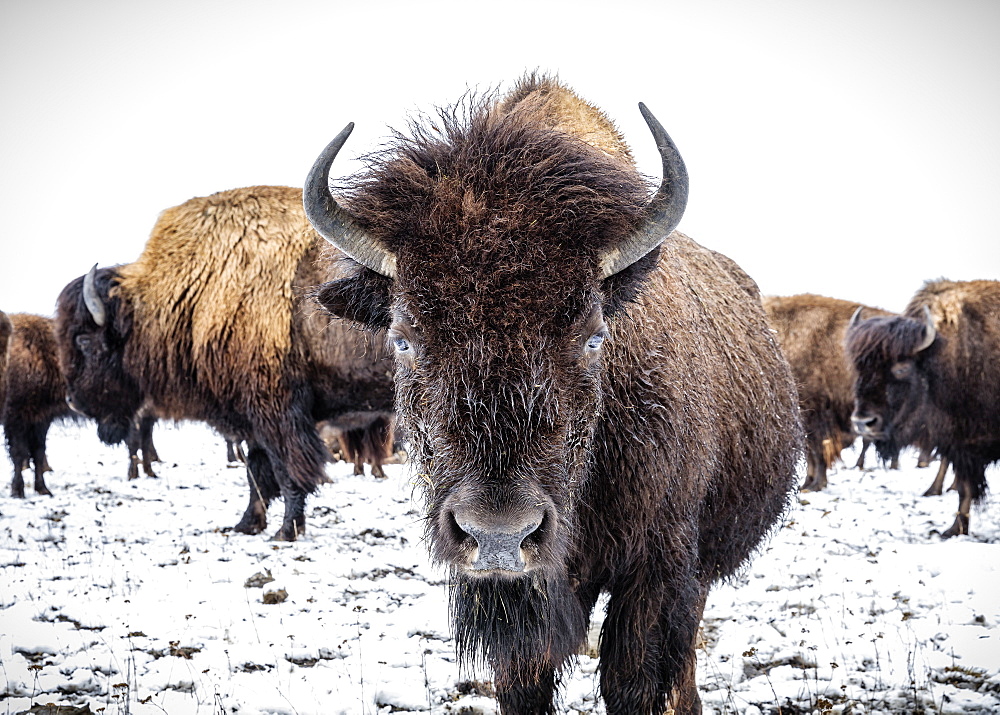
x=213 y=323
x=811 y=332
x=932 y=374
x=6 y=328
x=35 y=396
x=361 y=438
x=594 y=403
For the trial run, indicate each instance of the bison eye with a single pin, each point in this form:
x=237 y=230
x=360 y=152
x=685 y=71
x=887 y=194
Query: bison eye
x=595 y=341
x=402 y=345
x=902 y=370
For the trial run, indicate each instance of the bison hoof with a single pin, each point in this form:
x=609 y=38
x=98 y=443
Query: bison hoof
x=17 y=493
x=959 y=528
x=286 y=533
x=44 y=491
x=249 y=526
x=933 y=492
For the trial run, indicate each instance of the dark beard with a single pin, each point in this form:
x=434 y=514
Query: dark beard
x=113 y=430
x=521 y=627
x=887 y=449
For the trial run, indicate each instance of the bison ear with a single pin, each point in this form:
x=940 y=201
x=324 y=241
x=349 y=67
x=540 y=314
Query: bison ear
x=623 y=287
x=364 y=298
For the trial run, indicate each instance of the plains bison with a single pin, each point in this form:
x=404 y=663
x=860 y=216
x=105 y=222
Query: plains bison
x=811 y=332
x=35 y=396
x=213 y=323
x=594 y=403
x=932 y=374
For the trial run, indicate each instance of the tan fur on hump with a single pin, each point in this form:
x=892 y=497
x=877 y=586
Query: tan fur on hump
x=565 y=111
x=215 y=282
x=944 y=298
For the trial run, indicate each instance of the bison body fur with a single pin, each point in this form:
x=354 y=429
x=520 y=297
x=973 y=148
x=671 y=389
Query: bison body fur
x=811 y=331
x=635 y=434
x=35 y=397
x=930 y=376
x=213 y=323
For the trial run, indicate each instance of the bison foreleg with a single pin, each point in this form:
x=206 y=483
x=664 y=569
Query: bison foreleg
x=648 y=659
x=934 y=490
x=39 y=433
x=263 y=488
x=535 y=698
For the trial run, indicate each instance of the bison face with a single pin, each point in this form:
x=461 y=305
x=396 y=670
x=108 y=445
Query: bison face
x=92 y=338
x=500 y=421
x=891 y=386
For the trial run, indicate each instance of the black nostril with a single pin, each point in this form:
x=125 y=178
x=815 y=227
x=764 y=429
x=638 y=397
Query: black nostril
x=866 y=424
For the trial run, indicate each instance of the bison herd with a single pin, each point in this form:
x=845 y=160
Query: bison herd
x=595 y=403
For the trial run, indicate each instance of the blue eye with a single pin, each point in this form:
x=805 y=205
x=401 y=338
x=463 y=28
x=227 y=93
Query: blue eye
x=402 y=345
x=596 y=341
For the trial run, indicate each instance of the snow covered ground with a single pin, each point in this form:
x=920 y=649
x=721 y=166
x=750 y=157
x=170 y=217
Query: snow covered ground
x=128 y=597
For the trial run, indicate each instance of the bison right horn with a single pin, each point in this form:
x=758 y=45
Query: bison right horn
x=334 y=223
x=856 y=318
x=92 y=299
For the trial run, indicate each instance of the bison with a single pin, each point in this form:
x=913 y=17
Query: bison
x=594 y=403
x=214 y=323
x=811 y=333
x=932 y=374
x=35 y=396
x=6 y=328
x=361 y=438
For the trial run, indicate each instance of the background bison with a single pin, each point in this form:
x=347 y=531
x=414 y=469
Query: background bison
x=594 y=403
x=811 y=331
x=35 y=397
x=212 y=323
x=932 y=373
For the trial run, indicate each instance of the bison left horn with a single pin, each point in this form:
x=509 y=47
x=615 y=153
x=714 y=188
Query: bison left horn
x=334 y=223
x=930 y=332
x=664 y=210
x=92 y=299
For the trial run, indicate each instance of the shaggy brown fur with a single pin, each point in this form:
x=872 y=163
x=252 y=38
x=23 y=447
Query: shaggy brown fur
x=649 y=465
x=35 y=397
x=811 y=332
x=213 y=323
x=361 y=438
x=6 y=328
x=947 y=393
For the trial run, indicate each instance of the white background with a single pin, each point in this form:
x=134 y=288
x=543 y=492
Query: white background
x=849 y=148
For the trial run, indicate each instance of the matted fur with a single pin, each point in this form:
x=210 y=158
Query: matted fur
x=34 y=398
x=660 y=460
x=215 y=322
x=946 y=394
x=811 y=331
x=221 y=308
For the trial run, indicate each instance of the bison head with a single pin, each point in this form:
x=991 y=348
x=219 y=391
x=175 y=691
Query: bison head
x=496 y=253
x=92 y=331
x=891 y=386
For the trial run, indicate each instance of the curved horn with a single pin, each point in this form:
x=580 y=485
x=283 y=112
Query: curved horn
x=930 y=332
x=856 y=318
x=334 y=223
x=92 y=299
x=664 y=210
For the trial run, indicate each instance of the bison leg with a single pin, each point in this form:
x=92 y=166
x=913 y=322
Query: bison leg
x=815 y=472
x=961 y=523
x=37 y=443
x=646 y=656
x=294 y=523
x=934 y=490
x=17 y=483
x=263 y=489
x=149 y=454
x=865 y=444
x=132 y=443
x=535 y=698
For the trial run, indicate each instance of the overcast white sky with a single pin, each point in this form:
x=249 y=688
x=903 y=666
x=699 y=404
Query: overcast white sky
x=844 y=147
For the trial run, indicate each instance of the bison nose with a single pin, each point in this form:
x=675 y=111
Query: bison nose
x=501 y=546
x=867 y=425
